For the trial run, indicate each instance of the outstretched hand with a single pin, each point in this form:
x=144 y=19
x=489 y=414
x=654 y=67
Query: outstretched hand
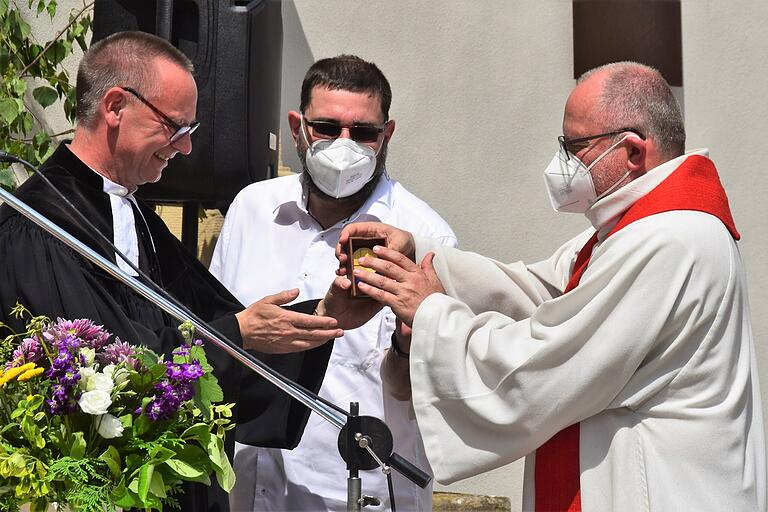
x=398 y=282
x=267 y=327
x=350 y=313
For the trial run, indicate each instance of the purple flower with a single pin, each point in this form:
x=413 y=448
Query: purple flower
x=64 y=393
x=92 y=335
x=29 y=351
x=174 y=390
x=120 y=352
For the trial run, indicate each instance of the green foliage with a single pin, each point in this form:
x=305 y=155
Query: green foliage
x=33 y=77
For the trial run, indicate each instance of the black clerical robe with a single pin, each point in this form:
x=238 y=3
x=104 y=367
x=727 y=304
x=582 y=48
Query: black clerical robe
x=51 y=279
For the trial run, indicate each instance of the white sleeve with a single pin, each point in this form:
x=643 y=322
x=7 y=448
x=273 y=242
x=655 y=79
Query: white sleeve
x=488 y=389
x=220 y=252
x=485 y=284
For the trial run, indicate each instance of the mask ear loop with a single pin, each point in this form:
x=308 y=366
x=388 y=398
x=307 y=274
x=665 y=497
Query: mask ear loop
x=303 y=128
x=613 y=187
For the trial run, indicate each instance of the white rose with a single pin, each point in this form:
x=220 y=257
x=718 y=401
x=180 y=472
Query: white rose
x=109 y=426
x=86 y=375
x=101 y=382
x=95 y=402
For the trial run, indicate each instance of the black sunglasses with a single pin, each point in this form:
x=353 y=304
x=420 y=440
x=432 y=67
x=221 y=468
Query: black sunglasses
x=573 y=146
x=179 y=130
x=357 y=132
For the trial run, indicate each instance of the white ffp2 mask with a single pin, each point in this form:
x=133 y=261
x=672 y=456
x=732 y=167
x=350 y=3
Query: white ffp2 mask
x=340 y=167
x=569 y=182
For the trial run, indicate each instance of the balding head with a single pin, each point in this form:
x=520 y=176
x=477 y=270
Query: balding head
x=632 y=95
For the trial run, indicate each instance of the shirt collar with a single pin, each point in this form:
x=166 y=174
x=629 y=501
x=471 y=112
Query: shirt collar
x=115 y=189
x=375 y=207
x=605 y=213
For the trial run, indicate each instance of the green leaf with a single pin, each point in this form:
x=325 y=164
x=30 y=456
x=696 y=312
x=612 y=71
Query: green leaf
x=160 y=455
x=215 y=449
x=226 y=475
x=183 y=469
x=3 y=7
x=145 y=477
x=77 y=451
x=9 y=110
x=6 y=181
x=45 y=96
x=210 y=389
x=52 y=8
x=112 y=458
x=157 y=486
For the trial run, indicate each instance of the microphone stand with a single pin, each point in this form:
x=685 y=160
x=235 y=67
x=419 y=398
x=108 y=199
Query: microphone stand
x=360 y=436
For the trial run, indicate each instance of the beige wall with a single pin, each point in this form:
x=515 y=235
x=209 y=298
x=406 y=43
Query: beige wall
x=479 y=88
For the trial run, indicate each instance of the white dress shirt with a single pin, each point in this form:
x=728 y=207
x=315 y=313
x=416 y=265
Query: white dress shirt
x=270 y=243
x=652 y=352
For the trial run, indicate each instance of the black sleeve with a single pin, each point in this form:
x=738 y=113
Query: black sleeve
x=269 y=417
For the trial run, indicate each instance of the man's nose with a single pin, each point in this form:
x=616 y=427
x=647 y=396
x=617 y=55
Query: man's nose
x=345 y=133
x=184 y=144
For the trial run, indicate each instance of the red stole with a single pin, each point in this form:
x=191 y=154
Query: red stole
x=694 y=185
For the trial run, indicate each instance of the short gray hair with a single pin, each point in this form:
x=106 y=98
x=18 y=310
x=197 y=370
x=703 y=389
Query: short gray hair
x=121 y=59
x=637 y=96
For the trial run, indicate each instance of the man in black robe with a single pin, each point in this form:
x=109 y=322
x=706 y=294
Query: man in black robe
x=136 y=109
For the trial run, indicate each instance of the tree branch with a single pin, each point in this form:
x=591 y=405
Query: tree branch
x=56 y=38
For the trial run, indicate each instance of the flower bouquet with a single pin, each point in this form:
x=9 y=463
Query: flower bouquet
x=93 y=423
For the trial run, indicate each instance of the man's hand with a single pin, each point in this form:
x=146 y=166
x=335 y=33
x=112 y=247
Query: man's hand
x=398 y=282
x=350 y=313
x=266 y=327
x=396 y=240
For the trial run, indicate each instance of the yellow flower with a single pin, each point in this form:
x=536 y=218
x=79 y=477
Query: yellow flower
x=30 y=374
x=15 y=372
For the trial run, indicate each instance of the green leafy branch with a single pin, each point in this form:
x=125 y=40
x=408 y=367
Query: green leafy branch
x=25 y=63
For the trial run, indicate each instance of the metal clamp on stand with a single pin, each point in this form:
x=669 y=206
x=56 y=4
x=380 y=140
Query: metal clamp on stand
x=365 y=442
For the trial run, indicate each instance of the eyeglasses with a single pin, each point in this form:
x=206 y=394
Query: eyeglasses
x=179 y=130
x=357 y=132
x=573 y=146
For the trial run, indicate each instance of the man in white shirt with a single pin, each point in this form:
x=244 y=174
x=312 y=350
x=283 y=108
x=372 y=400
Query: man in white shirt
x=624 y=365
x=287 y=228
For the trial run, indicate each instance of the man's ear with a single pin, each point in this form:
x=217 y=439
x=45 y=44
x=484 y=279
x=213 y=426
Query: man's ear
x=112 y=105
x=294 y=121
x=389 y=129
x=636 y=154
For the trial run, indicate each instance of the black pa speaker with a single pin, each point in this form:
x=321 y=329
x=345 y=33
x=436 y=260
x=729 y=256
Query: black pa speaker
x=236 y=47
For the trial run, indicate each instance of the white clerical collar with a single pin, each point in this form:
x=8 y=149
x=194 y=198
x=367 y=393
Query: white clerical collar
x=605 y=213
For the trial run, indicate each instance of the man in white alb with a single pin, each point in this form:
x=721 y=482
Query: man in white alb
x=287 y=228
x=624 y=365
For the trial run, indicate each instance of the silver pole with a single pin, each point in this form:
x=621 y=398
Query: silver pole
x=172 y=309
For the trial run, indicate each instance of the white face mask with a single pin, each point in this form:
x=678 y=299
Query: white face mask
x=569 y=182
x=339 y=167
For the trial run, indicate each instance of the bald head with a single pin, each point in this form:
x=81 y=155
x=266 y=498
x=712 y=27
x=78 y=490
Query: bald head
x=632 y=95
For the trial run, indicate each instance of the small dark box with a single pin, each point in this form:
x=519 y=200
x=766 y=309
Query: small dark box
x=358 y=247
